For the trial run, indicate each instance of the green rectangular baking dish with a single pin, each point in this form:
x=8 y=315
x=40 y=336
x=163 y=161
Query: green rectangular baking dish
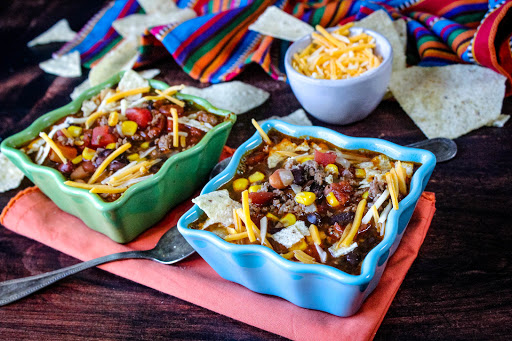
x=143 y=204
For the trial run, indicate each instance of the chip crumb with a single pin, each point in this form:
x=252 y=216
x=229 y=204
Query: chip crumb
x=218 y=206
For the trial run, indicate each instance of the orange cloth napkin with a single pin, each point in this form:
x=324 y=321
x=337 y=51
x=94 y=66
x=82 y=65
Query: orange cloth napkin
x=33 y=215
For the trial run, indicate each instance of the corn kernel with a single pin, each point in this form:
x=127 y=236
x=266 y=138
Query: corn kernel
x=332 y=169
x=240 y=185
x=256 y=176
x=79 y=143
x=133 y=157
x=111 y=145
x=77 y=160
x=303 y=159
x=302 y=245
x=129 y=128
x=360 y=173
x=88 y=153
x=331 y=200
x=113 y=118
x=141 y=159
x=254 y=188
x=272 y=217
x=313 y=230
x=288 y=220
x=365 y=195
x=74 y=131
x=144 y=145
x=305 y=198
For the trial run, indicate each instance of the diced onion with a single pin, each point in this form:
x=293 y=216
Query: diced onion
x=286 y=177
x=342 y=161
x=321 y=253
x=263 y=227
x=296 y=188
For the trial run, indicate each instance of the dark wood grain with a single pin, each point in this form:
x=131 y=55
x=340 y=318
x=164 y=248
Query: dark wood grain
x=460 y=286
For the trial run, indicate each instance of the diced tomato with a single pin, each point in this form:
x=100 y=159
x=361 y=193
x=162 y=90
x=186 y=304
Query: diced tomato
x=140 y=116
x=260 y=198
x=87 y=137
x=101 y=137
x=324 y=158
x=68 y=152
x=341 y=191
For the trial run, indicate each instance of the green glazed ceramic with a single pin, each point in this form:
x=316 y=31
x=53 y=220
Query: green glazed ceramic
x=143 y=204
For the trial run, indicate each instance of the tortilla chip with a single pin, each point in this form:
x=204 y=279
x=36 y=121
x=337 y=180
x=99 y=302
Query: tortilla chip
x=10 y=176
x=499 y=122
x=234 y=96
x=401 y=29
x=149 y=73
x=85 y=85
x=381 y=23
x=67 y=65
x=60 y=32
x=297 y=117
x=121 y=58
x=218 y=206
x=449 y=101
x=277 y=23
x=134 y=25
x=158 y=6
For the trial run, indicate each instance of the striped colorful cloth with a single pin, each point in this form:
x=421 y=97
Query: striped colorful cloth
x=217 y=44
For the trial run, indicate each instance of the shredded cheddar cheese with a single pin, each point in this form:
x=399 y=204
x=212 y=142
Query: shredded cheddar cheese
x=107 y=161
x=53 y=146
x=264 y=135
x=172 y=99
x=91 y=119
x=237 y=236
x=400 y=172
x=127 y=93
x=96 y=188
x=392 y=192
x=336 y=55
x=175 y=128
x=355 y=224
x=247 y=215
x=303 y=257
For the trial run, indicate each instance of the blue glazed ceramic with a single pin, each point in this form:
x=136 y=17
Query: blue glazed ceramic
x=312 y=286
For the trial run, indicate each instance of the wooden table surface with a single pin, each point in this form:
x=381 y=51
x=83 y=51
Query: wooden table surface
x=459 y=287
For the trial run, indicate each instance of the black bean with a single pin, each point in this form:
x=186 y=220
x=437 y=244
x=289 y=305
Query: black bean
x=298 y=176
x=342 y=218
x=318 y=190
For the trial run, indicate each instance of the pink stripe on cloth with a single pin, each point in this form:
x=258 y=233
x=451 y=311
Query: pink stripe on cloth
x=34 y=215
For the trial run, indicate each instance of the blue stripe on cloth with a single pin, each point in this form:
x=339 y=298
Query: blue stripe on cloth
x=102 y=27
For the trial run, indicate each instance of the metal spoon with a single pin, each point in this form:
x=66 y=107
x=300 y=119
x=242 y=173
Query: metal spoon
x=444 y=149
x=171 y=248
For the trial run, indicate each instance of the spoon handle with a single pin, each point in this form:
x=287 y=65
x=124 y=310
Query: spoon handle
x=13 y=290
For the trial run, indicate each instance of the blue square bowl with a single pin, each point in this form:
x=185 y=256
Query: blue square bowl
x=312 y=286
